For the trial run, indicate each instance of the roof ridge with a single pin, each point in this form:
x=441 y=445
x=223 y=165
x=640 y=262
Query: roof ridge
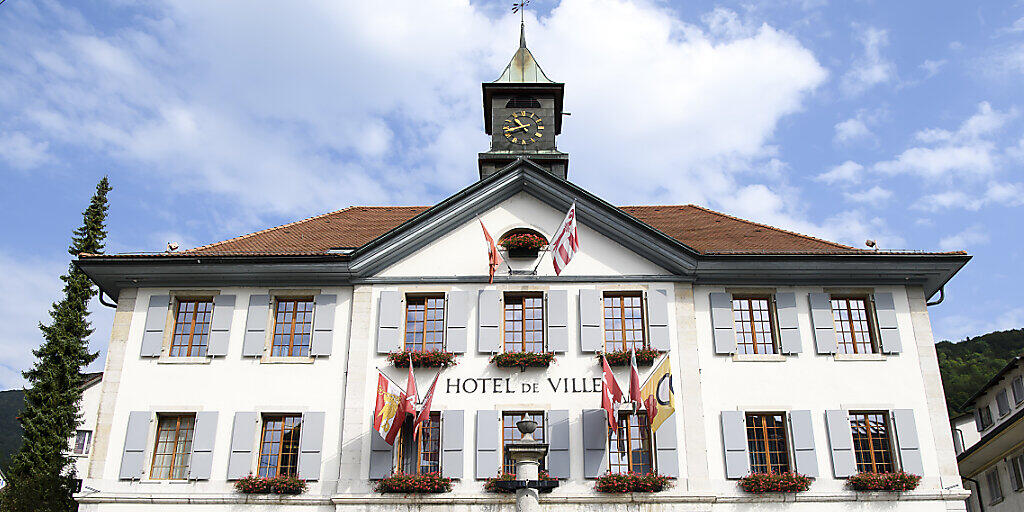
x=242 y=237
x=801 y=235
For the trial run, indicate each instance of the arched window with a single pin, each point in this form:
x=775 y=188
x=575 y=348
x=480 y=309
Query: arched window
x=522 y=101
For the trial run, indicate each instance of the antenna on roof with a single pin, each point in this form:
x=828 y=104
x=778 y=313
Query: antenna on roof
x=520 y=7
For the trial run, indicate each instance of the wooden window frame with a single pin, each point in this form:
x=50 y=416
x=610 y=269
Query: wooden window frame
x=874 y=465
x=188 y=432
x=621 y=294
x=762 y=433
x=869 y=319
x=291 y=346
x=773 y=324
x=522 y=296
x=642 y=427
x=400 y=446
x=267 y=419
x=426 y=298
x=201 y=349
x=541 y=429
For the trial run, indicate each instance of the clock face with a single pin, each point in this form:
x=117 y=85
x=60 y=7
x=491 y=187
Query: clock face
x=523 y=127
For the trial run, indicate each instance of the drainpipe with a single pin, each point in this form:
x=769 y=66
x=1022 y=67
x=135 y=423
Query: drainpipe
x=977 y=487
x=942 y=297
x=107 y=304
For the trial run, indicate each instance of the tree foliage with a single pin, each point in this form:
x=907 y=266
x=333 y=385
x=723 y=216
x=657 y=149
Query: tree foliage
x=967 y=365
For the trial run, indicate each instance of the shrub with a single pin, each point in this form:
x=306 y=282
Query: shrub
x=414 y=484
x=491 y=486
x=631 y=482
x=431 y=359
x=277 y=485
x=644 y=356
x=523 y=359
x=253 y=485
x=775 y=482
x=523 y=241
x=897 y=481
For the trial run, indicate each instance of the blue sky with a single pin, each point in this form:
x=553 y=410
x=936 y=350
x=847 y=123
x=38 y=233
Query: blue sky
x=895 y=121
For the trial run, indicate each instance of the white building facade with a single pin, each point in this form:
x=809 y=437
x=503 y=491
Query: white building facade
x=259 y=355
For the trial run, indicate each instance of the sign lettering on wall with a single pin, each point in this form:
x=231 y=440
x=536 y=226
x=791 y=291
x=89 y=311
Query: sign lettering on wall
x=506 y=386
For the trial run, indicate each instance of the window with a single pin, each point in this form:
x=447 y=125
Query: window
x=872 y=442
x=630 y=446
x=424 y=323
x=421 y=454
x=510 y=433
x=623 y=321
x=173 y=446
x=83 y=439
x=279 y=445
x=1002 y=403
x=754 y=325
x=524 y=323
x=1017 y=472
x=995 y=491
x=986 y=416
x=191 y=327
x=522 y=101
x=766 y=442
x=853 y=325
x=1018 y=390
x=292 y=324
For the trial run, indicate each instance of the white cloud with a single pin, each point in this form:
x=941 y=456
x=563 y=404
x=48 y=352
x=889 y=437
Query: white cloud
x=956 y=327
x=1018 y=26
x=873 y=196
x=851 y=130
x=871 y=68
x=22 y=153
x=969 y=237
x=846 y=172
x=932 y=67
x=997 y=193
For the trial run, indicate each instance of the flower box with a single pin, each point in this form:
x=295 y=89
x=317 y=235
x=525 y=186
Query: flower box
x=431 y=359
x=523 y=359
x=897 y=481
x=631 y=482
x=491 y=485
x=759 y=483
x=401 y=483
x=644 y=357
x=270 y=485
x=522 y=245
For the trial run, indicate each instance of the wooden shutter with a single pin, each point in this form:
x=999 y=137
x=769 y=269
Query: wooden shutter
x=558 y=443
x=489 y=320
x=456 y=321
x=906 y=437
x=666 y=444
x=389 y=322
x=840 y=440
x=591 y=319
x=805 y=459
x=558 y=320
x=156 y=318
x=200 y=464
x=220 y=325
x=821 y=320
x=977 y=421
x=595 y=442
x=488 y=444
x=256 y=326
x=135 y=438
x=243 y=436
x=453 y=438
x=311 y=441
x=722 y=323
x=325 y=307
x=1016 y=468
x=1018 y=389
x=657 y=320
x=1002 y=403
x=734 y=443
x=382 y=458
x=888 y=330
x=789 y=324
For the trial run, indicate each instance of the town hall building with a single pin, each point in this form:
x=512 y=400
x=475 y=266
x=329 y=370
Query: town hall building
x=259 y=355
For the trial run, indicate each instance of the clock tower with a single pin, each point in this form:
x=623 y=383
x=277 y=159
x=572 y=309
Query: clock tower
x=523 y=115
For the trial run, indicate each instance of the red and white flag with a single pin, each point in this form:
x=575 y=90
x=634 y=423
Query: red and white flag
x=634 y=381
x=493 y=258
x=427 y=400
x=610 y=393
x=388 y=413
x=565 y=244
x=409 y=402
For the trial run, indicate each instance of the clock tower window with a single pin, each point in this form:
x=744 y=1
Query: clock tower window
x=522 y=101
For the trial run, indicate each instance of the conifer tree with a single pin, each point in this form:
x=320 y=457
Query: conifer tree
x=42 y=476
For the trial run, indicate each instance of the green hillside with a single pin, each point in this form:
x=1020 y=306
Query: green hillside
x=967 y=365
x=11 y=404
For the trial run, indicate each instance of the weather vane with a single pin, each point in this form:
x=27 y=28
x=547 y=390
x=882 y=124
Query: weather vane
x=520 y=7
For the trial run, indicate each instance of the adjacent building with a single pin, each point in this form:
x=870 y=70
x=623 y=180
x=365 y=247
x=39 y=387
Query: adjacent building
x=259 y=355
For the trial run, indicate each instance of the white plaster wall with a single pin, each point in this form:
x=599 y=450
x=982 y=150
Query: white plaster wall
x=968 y=430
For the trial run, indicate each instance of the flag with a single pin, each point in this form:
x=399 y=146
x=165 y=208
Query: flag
x=565 y=244
x=427 y=399
x=493 y=258
x=634 y=381
x=659 y=395
x=388 y=414
x=409 y=403
x=610 y=393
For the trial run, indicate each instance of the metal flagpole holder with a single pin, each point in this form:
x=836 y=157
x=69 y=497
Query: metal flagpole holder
x=527 y=454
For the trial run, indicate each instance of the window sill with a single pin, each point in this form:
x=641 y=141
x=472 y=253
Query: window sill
x=859 y=357
x=184 y=360
x=775 y=358
x=287 y=360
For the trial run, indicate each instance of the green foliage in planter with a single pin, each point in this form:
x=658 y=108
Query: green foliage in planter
x=644 y=356
x=431 y=359
x=491 y=486
x=775 y=482
x=524 y=241
x=631 y=482
x=528 y=359
x=897 y=481
x=402 y=483
x=281 y=484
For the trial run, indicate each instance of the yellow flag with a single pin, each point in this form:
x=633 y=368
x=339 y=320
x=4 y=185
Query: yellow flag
x=659 y=386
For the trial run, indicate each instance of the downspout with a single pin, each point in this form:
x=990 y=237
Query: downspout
x=977 y=487
x=942 y=297
x=107 y=304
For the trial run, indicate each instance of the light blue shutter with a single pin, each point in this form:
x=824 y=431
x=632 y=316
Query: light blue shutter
x=888 y=330
x=1018 y=389
x=558 y=320
x=456 y=322
x=156 y=318
x=243 y=436
x=382 y=458
x=789 y=325
x=666 y=443
x=657 y=320
x=489 y=319
x=323 y=324
x=389 y=322
x=906 y=437
x=311 y=442
x=135 y=439
x=722 y=323
x=453 y=438
x=200 y=464
x=256 y=326
x=220 y=326
x=1002 y=402
x=591 y=319
x=558 y=443
x=734 y=443
x=804 y=456
x=821 y=319
x=595 y=442
x=488 y=444
x=840 y=440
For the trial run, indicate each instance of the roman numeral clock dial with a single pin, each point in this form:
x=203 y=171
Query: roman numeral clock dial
x=523 y=128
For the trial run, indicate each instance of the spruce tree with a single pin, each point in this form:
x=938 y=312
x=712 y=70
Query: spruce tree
x=42 y=476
